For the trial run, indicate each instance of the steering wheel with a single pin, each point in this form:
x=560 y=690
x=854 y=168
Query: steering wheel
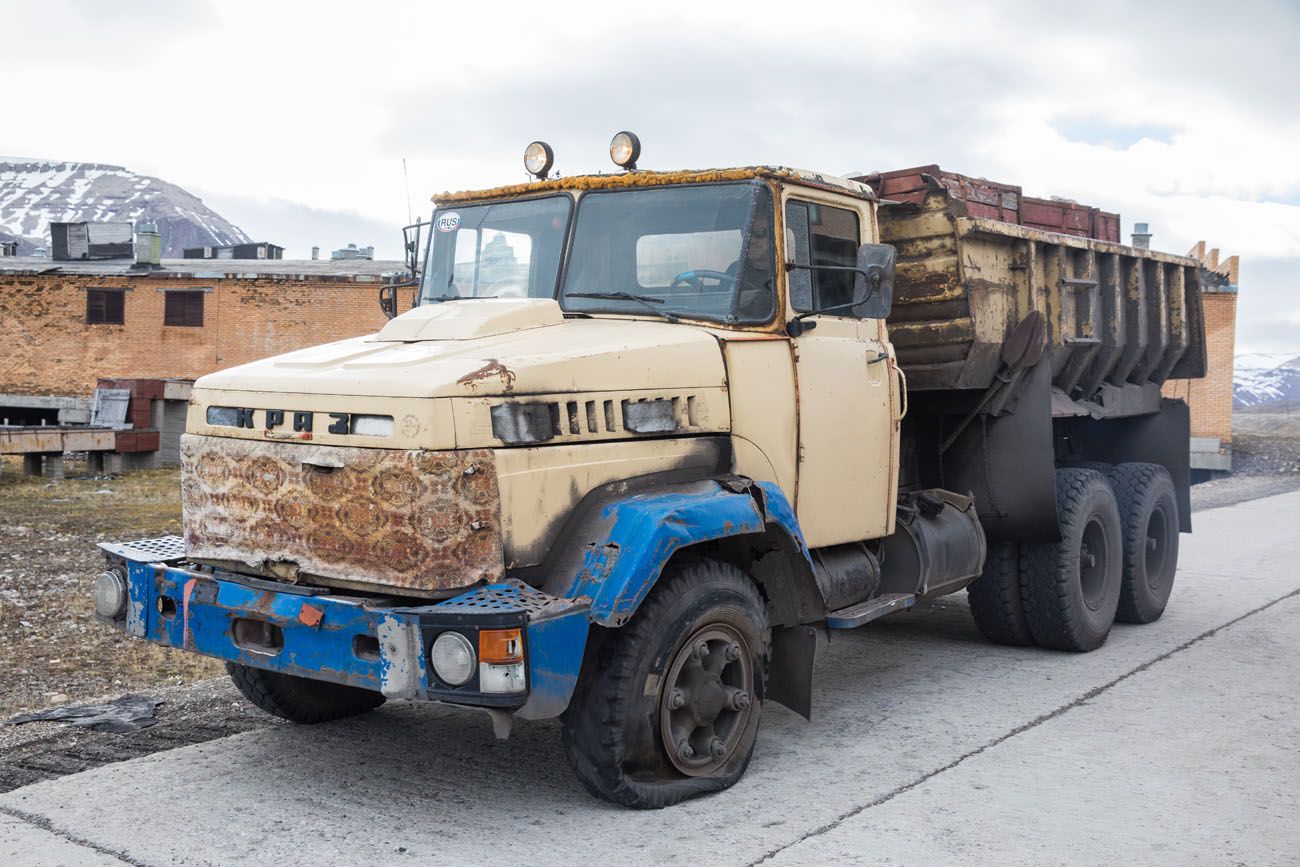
x=695 y=279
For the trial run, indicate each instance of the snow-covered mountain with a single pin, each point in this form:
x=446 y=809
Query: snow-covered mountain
x=34 y=193
x=1264 y=378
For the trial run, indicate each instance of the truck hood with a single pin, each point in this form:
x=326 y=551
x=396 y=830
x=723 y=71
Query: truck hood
x=490 y=347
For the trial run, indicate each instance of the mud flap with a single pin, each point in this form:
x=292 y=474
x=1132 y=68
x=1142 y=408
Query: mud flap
x=790 y=673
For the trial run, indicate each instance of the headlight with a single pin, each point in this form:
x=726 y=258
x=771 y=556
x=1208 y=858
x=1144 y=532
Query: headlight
x=372 y=425
x=625 y=150
x=230 y=416
x=649 y=416
x=538 y=159
x=110 y=594
x=524 y=423
x=452 y=657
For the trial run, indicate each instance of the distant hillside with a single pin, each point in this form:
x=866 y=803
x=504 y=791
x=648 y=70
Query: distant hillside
x=1266 y=379
x=34 y=193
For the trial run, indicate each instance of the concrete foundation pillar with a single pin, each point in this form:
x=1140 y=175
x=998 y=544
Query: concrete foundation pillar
x=112 y=462
x=95 y=463
x=31 y=465
x=54 y=466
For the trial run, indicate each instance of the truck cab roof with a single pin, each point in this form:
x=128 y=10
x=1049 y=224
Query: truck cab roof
x=641 y=178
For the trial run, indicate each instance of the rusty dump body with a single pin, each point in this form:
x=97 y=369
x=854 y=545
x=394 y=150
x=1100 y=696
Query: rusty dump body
x=1119 y=320
x=412 y=520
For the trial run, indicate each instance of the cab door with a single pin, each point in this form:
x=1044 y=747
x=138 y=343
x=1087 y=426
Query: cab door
x=847 y=431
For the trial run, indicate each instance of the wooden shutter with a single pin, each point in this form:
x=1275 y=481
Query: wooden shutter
x=184 y=308
x=105 y=306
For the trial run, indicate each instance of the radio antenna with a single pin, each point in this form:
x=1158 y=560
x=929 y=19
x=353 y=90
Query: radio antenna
x=407 y=179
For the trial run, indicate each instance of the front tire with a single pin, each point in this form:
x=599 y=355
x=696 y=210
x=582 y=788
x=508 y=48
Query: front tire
x=668 y=706
x=300 y=699
x=1070 y=589
x=1148 y=511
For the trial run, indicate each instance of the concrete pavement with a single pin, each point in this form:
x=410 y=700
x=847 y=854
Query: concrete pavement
x=1175 y=743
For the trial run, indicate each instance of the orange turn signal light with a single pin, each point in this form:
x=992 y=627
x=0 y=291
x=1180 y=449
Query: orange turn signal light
x=500 y=646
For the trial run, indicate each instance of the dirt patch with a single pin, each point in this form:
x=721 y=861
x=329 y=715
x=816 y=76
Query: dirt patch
x=1265 y=461
x=52 y=650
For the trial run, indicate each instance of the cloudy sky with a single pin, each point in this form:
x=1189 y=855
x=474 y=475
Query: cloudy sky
x=293 y=120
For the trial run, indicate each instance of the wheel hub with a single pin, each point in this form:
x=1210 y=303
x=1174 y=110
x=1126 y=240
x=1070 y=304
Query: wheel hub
x=1157 y=530
x=706 y=699
x=1093 y=554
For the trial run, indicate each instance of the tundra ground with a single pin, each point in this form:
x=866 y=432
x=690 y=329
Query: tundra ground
x=52 y=651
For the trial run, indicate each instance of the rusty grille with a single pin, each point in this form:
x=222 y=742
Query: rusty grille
x=412 y=520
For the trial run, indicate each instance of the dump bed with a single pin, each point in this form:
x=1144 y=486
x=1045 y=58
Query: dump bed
x=1119 y=320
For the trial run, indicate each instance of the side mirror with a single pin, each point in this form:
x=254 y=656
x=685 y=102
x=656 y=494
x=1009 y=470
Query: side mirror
x=873 y=287
x=873 y=284
x=388 y=300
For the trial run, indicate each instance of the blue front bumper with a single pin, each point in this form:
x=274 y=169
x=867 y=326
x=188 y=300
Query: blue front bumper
x=354 y=641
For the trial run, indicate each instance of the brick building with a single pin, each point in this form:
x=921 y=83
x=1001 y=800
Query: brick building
x=1210 y=398
x=65 y=325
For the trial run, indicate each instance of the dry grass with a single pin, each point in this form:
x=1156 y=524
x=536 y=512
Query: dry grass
x=52 y=650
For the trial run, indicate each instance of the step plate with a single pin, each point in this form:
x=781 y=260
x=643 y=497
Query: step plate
x=865 y=612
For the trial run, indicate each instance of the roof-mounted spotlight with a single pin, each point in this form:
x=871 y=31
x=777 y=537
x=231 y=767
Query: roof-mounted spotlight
x=625 y=150
x=538 y=159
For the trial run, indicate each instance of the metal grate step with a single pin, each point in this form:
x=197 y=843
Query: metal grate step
x=865 y=612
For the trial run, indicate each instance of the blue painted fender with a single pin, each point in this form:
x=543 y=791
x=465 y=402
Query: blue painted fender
x=629 y=540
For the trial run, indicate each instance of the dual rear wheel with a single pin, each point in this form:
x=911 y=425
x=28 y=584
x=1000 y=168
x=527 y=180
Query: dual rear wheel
x=1115 y=561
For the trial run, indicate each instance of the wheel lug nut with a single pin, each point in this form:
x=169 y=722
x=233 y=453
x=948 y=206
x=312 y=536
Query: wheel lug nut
x=739 y=699
x=733 y=652
x=684 y=750
x=676 y=699
x=717 y=748
x=702 y=650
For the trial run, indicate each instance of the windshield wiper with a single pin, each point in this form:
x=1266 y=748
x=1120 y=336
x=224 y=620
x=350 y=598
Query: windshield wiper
x=440 y=298
x=647 y=301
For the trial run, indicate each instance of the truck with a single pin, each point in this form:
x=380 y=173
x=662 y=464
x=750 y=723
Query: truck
x=643 y=436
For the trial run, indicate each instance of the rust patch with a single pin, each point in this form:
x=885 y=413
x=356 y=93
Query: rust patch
x=285 y=436
x=619 y=180
x=492 y=368
x=421 y=521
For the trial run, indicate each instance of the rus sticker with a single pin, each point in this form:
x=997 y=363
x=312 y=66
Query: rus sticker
x=449 y=222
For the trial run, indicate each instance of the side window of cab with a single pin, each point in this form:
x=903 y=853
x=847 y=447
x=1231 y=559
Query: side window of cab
x=821 y=235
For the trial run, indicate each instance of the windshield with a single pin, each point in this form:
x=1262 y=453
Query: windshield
x=500 y=250
x=703 y=252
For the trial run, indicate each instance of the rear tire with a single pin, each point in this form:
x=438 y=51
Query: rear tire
x=300 y=699
x=1070 y=589
x=994 y=597
x=1148 y=509
x=648 y=707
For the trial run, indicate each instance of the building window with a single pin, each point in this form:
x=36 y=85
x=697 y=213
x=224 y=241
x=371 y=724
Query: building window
x=183 y=308
x=104 y=306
